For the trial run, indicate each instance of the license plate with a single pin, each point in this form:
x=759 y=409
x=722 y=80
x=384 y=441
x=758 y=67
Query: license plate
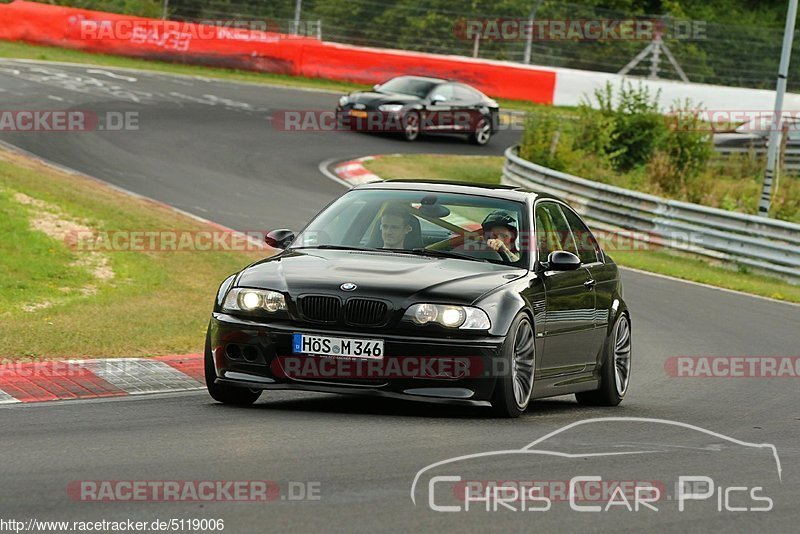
x=359 y=114
x=339 y=347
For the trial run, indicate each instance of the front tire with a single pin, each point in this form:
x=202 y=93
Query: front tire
x=225 y=394
x=482 y=133
x=411 y=126
x=512 y=393
x=615 y=375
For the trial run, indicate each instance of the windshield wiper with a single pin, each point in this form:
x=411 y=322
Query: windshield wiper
x=338 y=247
x=416 y=251
x=443 y=254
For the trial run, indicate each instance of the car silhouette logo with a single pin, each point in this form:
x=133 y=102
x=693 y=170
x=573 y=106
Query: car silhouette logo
x=348 y=286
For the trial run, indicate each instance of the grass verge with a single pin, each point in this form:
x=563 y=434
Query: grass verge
x=58 y=298
x=487 y=169
x=475 y=169
x=17 y=50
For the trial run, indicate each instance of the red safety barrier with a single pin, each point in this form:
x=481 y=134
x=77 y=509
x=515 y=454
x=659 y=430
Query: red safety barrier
x=264 y=51
x=373 y=65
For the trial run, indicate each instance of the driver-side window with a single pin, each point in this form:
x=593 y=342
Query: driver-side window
x=589 y=250
x=552 y=231
x=443 y=92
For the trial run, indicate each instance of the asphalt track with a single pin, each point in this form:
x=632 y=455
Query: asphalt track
x=207 y=147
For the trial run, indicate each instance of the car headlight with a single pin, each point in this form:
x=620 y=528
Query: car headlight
x=391 y=108
x=463 y=317
x=251 y=300
x=342 y=100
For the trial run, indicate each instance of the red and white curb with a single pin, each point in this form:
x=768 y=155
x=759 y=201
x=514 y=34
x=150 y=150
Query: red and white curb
x=40 y=381
x=353 y=173
x=24 y=381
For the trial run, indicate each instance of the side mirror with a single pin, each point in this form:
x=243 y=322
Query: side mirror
x=561 y=260
x=279 y=238
x=437 y=98
x=376 y=87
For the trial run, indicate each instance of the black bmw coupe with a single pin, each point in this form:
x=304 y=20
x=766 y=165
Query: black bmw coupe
x=438 y=292
x=413 y=105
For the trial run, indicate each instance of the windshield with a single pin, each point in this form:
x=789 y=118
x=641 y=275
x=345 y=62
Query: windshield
x=469 y=227
x=407 y=86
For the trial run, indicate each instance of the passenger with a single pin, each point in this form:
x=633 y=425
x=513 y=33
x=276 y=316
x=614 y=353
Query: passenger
x=395 y=226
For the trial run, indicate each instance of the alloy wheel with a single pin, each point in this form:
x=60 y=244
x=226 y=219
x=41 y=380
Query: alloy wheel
x=622 y=355
x=522 y=367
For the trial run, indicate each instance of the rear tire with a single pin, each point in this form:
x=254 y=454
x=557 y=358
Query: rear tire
x=512 y=393
x=225 y=394
x=615 y=374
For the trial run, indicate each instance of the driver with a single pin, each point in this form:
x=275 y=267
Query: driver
x=500 y=232
x=395 y=226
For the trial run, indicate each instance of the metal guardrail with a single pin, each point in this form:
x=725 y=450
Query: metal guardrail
x=765 y=245
x=790 y=157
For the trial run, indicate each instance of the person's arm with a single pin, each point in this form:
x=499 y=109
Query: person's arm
x=498 y=245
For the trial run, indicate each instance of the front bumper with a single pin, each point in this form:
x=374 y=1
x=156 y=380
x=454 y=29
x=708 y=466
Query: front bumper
x=373 y=121
x=259 y=355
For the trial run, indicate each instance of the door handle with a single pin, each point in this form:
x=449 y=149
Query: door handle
x=589 y=283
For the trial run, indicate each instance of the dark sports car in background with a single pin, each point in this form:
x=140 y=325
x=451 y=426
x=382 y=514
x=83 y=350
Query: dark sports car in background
x=754 y=134
x=412 y=105
x=484 y=295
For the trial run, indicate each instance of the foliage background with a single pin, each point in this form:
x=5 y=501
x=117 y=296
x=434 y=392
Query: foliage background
x=740 y=44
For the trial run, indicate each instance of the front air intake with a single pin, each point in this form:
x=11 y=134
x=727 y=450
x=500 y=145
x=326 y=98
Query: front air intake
x=320 y=309
x=365 y=312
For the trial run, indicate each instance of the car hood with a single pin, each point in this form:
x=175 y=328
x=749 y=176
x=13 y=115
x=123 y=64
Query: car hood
x=374 y=99
x=401 y=278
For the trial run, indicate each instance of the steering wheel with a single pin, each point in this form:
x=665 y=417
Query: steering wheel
x=504 y=255
x=485 y=252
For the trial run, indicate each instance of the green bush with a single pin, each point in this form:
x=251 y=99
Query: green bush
x=597 y=135
x=683 y=154
x=547 y=139
x=628 y=144
x=638 y=126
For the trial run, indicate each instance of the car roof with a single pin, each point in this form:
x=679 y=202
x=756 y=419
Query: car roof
x=423 y=78
x=507 y=192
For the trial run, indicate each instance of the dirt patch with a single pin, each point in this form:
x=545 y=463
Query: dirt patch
x=37 y=306
x=51 y=220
